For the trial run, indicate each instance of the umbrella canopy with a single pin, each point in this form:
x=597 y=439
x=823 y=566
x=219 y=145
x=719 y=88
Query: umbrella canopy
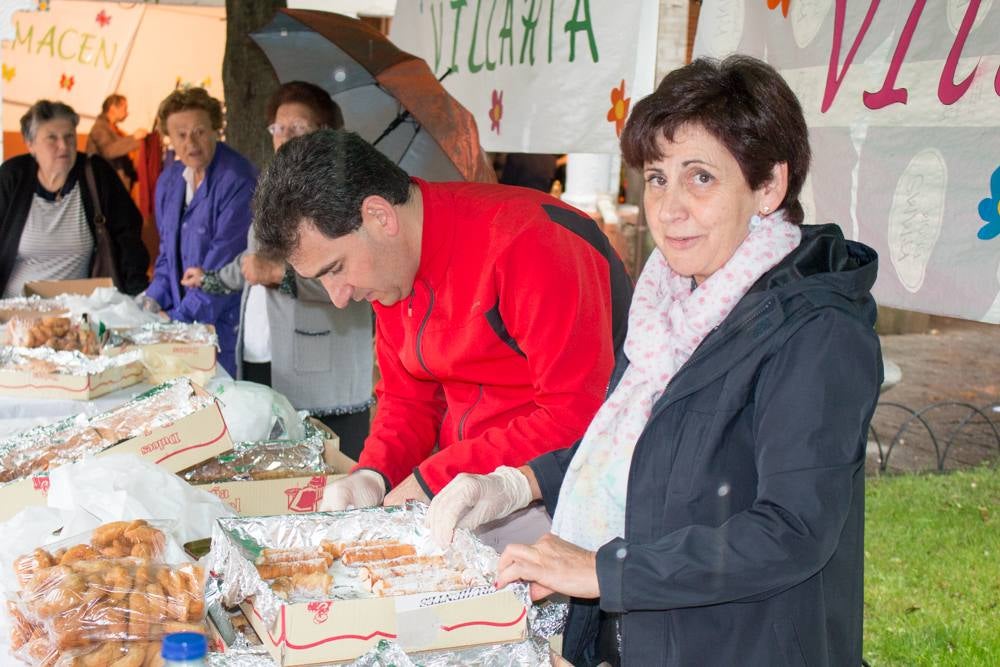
x=375 y=84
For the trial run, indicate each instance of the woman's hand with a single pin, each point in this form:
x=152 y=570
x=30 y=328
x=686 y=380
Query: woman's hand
x=193 y=277
x=550 y=565
x=259 y=271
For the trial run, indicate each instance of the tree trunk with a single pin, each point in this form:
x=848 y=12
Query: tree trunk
x=248 y=79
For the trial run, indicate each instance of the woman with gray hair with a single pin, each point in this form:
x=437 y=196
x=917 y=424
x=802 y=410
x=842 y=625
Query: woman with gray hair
x=50 y=211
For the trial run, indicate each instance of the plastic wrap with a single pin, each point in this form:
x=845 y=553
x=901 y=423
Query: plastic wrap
x=44 y=447
x=239 y=544
x=268 y=459
x=81 y=604
x=32 y=304
x=54 y=332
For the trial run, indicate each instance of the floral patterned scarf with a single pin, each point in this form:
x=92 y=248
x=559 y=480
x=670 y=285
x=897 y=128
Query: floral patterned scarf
x=667 y=322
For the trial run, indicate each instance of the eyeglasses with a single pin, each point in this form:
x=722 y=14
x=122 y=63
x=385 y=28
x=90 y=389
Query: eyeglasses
x=296 y=130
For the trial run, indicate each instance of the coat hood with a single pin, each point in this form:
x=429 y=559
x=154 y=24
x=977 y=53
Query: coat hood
x=824 y=262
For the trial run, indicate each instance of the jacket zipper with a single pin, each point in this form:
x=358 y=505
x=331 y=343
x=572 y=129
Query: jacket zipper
x=465 y=415
x=423 y=324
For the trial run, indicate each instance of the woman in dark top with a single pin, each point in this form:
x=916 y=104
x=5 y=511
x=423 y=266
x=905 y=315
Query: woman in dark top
x=47 y=211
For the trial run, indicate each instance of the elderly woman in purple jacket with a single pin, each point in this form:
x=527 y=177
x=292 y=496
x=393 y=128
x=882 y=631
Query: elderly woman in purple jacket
x=202 y=213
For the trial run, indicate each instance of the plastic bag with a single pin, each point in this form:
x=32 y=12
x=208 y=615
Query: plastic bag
x=256 y=412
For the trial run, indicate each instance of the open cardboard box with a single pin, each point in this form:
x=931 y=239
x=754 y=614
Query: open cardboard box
x=27 y=384
x=312 y=633
x=48 y=289
x=190 y=440
x=289 y=495
x=165 y=361
x=320 y=631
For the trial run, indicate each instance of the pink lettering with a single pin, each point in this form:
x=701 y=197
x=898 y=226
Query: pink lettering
x=948 y=91
x=832 y=80
x=888 y=94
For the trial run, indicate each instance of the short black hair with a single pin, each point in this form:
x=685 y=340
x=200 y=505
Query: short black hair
x=310 y=95
x=43 y=111
x=321 y=177
x=742 y=102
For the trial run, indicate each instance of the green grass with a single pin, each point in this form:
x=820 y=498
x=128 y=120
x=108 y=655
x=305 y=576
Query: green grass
x=932 y=569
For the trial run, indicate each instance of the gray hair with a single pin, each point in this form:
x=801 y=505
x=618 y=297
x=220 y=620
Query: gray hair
x=43 y=111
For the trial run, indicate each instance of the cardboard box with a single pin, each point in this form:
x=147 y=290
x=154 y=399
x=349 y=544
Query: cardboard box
x=74 y=387
x=166 y=361
x=284 y=496
x=318 y=632
x=190 y=440
x=52 y=288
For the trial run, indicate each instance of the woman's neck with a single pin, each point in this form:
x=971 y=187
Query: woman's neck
x=197 y=176
x=52 y=182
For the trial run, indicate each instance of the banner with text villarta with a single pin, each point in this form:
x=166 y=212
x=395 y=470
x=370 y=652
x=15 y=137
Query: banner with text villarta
x=903 y=105
x=540 y=76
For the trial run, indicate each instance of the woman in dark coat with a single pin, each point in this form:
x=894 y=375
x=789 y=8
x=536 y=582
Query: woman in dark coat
x=713 y=513
x=47 y=211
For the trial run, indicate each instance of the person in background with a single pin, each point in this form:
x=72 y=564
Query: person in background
x=497 y=309
x=111 y=143
x=202 y=214
x=529 y=170
x=291 y=336
x=713 y=513
x=47 y=226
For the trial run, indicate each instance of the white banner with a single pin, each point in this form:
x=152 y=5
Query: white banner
x=903 y=105
x=81 y=52
x=540 y=76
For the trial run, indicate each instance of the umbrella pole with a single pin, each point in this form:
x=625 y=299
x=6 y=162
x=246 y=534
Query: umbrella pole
x=403 y=115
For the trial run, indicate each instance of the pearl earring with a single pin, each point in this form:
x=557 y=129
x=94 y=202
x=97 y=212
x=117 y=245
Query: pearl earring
x=755 y=222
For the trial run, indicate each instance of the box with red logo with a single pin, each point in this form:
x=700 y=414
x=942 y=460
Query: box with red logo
x=174 y=425
x=441 y=600
x=280 y=491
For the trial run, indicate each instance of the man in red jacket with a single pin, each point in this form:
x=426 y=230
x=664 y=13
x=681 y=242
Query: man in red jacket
x=498 y=309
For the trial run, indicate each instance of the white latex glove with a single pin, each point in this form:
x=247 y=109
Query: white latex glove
x=362 y=488
x=469 y=501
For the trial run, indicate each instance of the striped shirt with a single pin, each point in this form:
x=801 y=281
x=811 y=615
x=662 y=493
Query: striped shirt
x=56 y=243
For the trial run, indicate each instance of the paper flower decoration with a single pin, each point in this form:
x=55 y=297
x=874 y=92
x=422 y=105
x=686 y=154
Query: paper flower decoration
x=619 y=108
x=989 y=210
x=496 y=111
x=66 y=82
x=773 y=4
x=103 y=19
x=8 y=72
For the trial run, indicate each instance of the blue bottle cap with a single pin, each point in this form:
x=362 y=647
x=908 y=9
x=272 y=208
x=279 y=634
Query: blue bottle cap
x=184 y=646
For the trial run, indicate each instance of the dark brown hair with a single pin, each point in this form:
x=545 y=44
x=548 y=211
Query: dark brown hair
x=111 y=101
x=318 y=100
x=742 y=102
x=186 y=99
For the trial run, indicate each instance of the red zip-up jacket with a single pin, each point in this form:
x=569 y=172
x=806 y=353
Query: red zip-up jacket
x=504 y=348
